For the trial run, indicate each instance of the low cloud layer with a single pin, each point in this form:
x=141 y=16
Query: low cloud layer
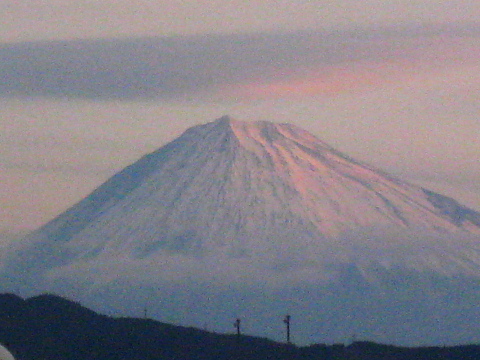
x=384 y=285
x=369 y=251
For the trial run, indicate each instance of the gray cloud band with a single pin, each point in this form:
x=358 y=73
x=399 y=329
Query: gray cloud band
x=179 y=67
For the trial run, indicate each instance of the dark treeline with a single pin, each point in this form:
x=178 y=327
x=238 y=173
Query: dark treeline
x=50 y=327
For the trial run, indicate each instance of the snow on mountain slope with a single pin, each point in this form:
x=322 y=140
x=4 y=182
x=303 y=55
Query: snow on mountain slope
x=231 y=204
x=245 y=188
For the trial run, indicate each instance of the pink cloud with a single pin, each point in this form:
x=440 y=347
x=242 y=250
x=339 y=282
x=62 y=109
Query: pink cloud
x=421 y=62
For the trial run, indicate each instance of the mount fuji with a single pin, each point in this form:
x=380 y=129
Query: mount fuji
x=258 y=219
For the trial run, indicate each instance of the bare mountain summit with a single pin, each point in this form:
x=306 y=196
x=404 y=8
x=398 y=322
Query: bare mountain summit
x=234 y=202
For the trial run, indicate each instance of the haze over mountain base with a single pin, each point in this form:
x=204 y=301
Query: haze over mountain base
x=408 y=309
x=257 y=220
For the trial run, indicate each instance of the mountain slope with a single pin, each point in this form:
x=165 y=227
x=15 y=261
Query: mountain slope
x=238 y=214
x=227 y=182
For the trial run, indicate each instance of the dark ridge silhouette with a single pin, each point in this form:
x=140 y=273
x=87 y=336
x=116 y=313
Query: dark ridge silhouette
x=51 y=327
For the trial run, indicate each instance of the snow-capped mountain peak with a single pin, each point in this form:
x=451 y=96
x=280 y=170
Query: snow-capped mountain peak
x=266 y=205
x=232 y=179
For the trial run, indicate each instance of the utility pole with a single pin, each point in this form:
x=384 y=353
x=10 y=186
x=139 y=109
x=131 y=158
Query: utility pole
x=287 y=323
x=237 y=326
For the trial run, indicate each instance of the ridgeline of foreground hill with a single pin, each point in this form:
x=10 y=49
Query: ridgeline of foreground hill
x=50 y=327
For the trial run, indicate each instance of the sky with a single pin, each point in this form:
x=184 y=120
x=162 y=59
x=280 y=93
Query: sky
x=87 y=87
